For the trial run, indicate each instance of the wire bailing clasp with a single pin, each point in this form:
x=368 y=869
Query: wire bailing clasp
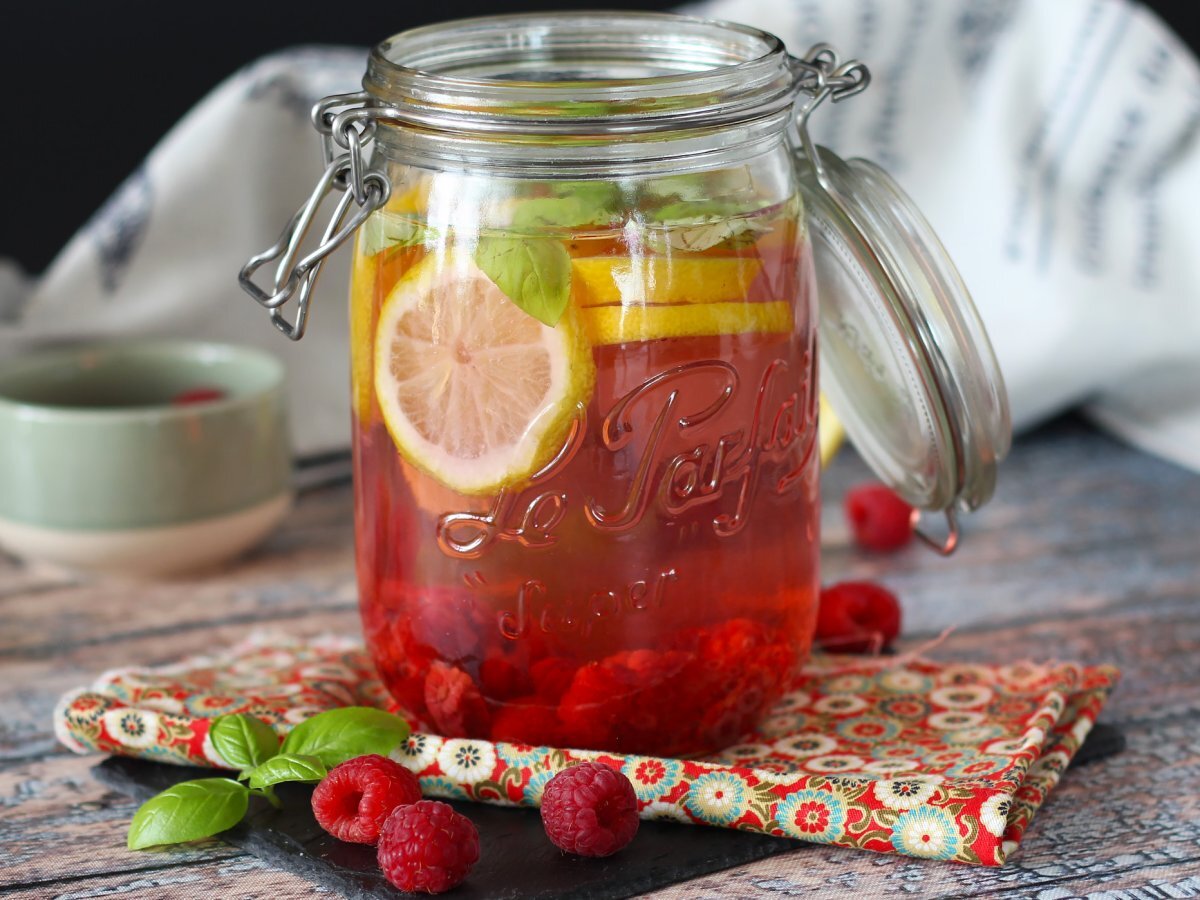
x=347 y=126
x=821 y=75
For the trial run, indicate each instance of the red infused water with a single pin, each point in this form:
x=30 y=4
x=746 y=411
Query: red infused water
x=600 y=534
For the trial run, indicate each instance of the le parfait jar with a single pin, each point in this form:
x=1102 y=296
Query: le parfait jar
x=584 y=328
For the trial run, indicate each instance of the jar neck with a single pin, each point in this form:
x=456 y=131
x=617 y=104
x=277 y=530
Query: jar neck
x=581 y=89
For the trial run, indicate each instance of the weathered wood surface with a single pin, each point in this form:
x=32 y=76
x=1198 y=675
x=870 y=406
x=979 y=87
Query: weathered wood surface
x=1090 y=551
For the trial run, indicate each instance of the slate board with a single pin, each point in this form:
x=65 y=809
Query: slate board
x=518 y=862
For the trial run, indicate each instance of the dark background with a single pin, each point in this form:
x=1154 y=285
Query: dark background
x=90 y=87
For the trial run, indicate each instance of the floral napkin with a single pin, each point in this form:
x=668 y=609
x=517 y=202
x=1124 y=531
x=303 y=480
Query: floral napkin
x=930 y=760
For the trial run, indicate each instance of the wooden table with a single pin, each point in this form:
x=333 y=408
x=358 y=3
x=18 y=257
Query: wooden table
x=1090 y=551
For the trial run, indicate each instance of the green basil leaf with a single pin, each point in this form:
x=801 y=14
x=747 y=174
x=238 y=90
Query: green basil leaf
x=697 y=226
x=382 y=231
x=687 y=212
x=596 y=194
x=734 y=186
x=562 y=212
x=337 y=735
x=243 y=741
x=590 y=109
x=187 y=812
x=692 y=187
x=702 y=234
x=287 y=767
x=535 y=273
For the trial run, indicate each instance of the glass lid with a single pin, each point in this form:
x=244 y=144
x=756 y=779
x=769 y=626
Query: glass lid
x=905 y=360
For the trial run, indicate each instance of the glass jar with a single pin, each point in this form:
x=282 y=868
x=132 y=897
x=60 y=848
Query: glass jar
x=583 y=321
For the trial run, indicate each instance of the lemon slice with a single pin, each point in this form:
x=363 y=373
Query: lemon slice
x=601 y=280
x=474 y=391
x=830 y=433
x=362 y=327
x=412 y=197
x=628 y=324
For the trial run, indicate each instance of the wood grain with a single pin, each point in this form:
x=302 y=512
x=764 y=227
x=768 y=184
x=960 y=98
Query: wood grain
x=245 y=878
x=58 y=819
x=1090 y=552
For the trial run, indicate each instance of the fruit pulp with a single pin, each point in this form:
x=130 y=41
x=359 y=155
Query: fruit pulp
x=653 y=587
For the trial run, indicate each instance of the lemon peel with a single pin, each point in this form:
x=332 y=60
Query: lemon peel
x=474 y=391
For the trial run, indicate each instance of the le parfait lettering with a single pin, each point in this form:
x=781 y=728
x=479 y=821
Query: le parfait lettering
x=698 y=394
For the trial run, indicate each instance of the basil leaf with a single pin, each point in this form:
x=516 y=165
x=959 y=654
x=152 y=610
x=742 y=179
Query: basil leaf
x=243 y=741
x=596 y=194
x=702 y=234
x=337 y=735
x=535 y=273
x=591 y=109
x=561 y=212
x=187 y=812
x=382 y=231
x=691 y=187
x=698 y=226
x=287 y=767
x=691 y=211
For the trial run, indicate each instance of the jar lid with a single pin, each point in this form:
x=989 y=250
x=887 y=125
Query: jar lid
x=905 y=359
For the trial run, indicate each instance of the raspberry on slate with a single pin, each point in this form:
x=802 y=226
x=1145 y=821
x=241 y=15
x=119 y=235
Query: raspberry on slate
x=427 y=847
x=590 y=809
x=355 y=798
x=857 y=617
x=880 y=520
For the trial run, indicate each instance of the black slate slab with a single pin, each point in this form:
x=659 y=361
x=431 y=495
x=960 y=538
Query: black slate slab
x=518 y=862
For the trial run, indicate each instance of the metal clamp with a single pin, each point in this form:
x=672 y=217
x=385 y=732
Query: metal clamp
x=943 y=545
x=822 y=75
x=347 y=126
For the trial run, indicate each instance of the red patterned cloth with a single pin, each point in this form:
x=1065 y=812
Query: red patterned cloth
x=930 y=760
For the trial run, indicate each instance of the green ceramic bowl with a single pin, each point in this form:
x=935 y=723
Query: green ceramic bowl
x=100 y=469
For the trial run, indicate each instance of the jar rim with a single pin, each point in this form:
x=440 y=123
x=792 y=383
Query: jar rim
x=589 y=73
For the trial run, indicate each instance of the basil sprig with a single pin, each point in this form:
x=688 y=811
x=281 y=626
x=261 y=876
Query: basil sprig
x=288 y=767
x=533 y=272
x=383 y=231
x=572 y=204
x=243 y=742
x=192 y=810
x=189 y=811
x=341 y=734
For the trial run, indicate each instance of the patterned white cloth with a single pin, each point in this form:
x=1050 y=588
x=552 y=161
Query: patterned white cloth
x=1052 y=145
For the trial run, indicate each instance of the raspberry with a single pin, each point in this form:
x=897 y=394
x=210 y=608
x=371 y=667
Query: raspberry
x=552 y=676
x=735 y=642
x=454 y=702
x=881 y=521
x=198 y=395
x=427 y=847
x=355 y=798
x=501 y=680
x=857 y=617
x=590 y=809
x=402 y=663
x=526 y=720
x=443 y=620
x=743 y=667
x=627 y=701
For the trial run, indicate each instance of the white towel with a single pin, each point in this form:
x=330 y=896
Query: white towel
x=1053 y=146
